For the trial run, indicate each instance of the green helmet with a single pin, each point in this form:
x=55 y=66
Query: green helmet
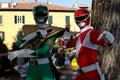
x=40 y=13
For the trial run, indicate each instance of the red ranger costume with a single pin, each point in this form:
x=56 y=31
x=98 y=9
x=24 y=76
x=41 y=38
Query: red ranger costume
x=87 y=43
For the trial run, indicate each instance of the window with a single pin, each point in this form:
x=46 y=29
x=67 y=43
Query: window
x=2 y=35
x=19 y=19
x=67 y=19
x=50 y=19
x=0 y=19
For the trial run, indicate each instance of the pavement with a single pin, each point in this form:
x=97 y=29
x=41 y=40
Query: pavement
x=11 y=75
x=67 y=73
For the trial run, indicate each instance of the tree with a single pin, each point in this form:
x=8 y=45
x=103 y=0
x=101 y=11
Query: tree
x=106 y=16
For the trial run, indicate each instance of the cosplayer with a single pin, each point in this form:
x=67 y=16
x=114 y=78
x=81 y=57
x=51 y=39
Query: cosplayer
x=41 y=42
x=87 y=43
x=5 y=64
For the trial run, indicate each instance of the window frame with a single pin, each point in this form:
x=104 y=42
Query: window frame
x=19 y=19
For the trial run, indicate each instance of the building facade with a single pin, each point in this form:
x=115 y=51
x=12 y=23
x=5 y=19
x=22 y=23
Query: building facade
x=14 y=15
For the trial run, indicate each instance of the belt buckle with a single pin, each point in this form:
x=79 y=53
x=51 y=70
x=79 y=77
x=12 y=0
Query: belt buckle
x=80 y=71
x=33 y=62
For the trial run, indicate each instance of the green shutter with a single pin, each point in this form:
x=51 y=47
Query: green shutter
x=23 y=17
x=2 y=35
x=50 y=20
x=67 y=19
x=15 y=19
x=0 y=19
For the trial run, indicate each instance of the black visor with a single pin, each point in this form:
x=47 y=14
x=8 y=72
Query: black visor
x=40 y=14
x=82 y=17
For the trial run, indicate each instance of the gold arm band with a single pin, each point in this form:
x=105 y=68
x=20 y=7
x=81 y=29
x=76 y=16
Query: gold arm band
x=49 y=42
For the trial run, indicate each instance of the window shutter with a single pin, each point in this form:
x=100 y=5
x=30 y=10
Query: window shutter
x=15 y=19
x=23 y=19
x=2 y=35
x=50 y=20
x=67 y=19
x=0 y=19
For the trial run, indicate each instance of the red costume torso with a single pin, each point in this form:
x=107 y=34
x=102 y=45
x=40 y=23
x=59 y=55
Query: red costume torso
x=86 y=45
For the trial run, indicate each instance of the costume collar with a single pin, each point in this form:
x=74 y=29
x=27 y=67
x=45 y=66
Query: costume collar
x=41 y=26
x=44 y=26
x=86 y=28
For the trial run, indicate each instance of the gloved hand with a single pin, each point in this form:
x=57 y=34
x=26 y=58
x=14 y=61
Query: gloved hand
x=107 y=36
x=43 y=33
x=20 y=53
x=67 y=34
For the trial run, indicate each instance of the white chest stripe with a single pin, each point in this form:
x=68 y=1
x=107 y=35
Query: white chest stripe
x=87 y=42
x=78 y=46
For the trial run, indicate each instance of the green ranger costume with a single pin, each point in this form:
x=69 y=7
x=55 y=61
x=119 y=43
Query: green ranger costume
x=41 y=41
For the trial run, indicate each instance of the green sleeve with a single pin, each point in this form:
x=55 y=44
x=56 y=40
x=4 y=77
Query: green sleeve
x=19 y=42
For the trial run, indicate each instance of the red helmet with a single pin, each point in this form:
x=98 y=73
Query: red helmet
x=82 y=17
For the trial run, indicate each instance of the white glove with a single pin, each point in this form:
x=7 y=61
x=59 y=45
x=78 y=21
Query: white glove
x=66 y=37
x=107 y=36
x=20 y=53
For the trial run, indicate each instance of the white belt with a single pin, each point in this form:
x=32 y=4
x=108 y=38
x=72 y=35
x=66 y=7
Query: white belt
x=42 y=60
x=93 y=67
x=89 y=68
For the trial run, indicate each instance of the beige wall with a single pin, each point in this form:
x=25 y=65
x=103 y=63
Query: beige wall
x=59 y=20
x=10 y=28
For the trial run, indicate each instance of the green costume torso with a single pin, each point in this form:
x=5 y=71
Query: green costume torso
x=42 y=71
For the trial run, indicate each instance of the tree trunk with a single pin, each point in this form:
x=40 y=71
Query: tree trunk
x=106 y=16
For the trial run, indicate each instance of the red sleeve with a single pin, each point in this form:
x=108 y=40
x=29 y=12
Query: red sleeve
x=93 y=38
x=72 y=43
